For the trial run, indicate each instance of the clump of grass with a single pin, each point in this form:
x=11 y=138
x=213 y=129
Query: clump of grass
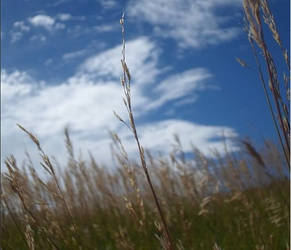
x=255 y=12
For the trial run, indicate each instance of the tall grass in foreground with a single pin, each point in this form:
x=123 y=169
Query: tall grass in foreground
x=235 y=201
x=278 y=92
x=165 y=239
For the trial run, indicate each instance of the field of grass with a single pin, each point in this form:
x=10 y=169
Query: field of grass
x=232 y=201
x=235 y=202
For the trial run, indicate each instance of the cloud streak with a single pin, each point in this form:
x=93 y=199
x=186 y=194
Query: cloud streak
x=193 y=24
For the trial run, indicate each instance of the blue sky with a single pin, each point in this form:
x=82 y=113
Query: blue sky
x=61 y=67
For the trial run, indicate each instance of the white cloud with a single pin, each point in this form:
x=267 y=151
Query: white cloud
x=159 y=136
x=19 y=28
x=21 y=25
x=191 y=23
x=141 y=58
x=108 y=4
x=15 y=84
x=42 y=20
x=16 y=36
x=73 y=55
x=87 y=99
x=46 y=22
x=105 y=27
x=87 y=107
x=181 y=85
x=59 y=26
x=38 y=37
x=64 y=16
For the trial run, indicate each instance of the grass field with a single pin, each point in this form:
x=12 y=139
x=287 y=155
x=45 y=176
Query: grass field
x=235 y=202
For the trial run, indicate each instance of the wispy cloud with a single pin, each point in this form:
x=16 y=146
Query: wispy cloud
x=21 y=25
x=64 y=16
x=38 y=37
x=191 y=23
x=108 y=4
x=19 y=28
x=73 y=55
x=86 y=101
x=47 y=22
x=59 y=2
x=15 y=36
x=181 y=85
x=106 y=27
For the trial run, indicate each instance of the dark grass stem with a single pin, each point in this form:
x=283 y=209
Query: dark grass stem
x=286 y=154
x=252 y=10
x=125 y=82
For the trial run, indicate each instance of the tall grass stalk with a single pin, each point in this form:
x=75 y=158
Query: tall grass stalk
x=125 y=82
x=254 y=12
